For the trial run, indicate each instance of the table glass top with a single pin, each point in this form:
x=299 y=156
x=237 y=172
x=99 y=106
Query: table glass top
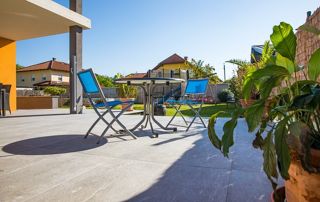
x=149 y=80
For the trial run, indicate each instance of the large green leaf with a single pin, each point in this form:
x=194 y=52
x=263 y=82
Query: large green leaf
x=316 y=97
x=227 y=138
x=282 y=149
x=302 y=100
x=253 y=114
x=228 y=132
x=248 y=86
x=266 y=87
x=264 y=79
x=284 y=40
x=269 y=156
x=285 y=62
x=211 y=131
x=303 y=85
x=270 y=70
x=314 y=65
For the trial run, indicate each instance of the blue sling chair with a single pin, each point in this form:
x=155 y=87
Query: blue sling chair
x=195 y=88
x=91 y=87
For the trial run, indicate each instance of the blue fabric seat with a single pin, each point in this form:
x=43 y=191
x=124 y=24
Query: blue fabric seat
x=113 y=103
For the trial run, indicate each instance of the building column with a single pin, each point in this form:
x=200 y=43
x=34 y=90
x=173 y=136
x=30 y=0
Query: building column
x=75 y=59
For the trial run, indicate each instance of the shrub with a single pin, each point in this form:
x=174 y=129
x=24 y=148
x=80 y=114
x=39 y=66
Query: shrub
x=225 y=95
x=236 y=88
x=53 y=90
x=127 y=91
x=105 y=81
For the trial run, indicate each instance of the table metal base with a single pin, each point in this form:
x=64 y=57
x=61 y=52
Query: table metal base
x=148 y=112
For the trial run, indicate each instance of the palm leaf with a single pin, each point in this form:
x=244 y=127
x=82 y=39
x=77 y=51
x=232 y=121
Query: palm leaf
x=241 y=63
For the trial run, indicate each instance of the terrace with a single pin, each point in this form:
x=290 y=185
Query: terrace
x=45 y=158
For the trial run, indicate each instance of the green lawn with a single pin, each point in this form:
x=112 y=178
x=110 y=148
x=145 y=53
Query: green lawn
x=207 y=109
x=135 y=107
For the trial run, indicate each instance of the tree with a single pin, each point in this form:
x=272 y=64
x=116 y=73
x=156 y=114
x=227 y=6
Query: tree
x=105 y=81
x=201 y=70
x=56 y=91
x=245 y=67
x=19 y=66
x=125 y=91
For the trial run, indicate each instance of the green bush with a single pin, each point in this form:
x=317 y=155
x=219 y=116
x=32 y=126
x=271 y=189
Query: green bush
x=53 y=90
x=105 y=81
x=225 y=95
x=127 y=91
x=236 y=88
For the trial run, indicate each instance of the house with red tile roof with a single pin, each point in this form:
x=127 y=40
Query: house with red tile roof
x=172 y=62
x=173 y=66
x=169 y=67
x=136 y=75
x=49 y=73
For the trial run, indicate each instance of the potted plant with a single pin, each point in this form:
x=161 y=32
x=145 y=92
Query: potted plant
x=291 y=145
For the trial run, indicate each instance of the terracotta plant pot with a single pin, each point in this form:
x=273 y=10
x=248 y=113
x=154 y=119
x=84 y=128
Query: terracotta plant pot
x=281 y=192
x=303 y=186
x=126 y=105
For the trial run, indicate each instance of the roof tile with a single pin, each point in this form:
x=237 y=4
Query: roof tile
x=173 y=59
x=52 y=64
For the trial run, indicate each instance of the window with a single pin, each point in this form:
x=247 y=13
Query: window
x=44 y=77
x=176 y=73
x=60 y=77
x=167 y=73
x=33 y=77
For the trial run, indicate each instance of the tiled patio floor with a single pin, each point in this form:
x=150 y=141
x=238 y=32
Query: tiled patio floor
x=45 y=158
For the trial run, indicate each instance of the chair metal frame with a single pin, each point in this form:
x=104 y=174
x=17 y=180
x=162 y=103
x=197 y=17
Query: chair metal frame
x=108 y=106
x=190 y=103
x=5 y=99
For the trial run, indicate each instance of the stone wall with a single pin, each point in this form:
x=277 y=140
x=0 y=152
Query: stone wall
x=307 y=43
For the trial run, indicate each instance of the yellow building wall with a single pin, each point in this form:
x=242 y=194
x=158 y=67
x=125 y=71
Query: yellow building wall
x=174 y=66
x=8 y=68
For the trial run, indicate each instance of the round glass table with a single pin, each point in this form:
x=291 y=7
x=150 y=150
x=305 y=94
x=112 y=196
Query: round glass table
x=147 y=85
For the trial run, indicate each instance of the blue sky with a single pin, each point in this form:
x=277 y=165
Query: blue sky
x=135 y=35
